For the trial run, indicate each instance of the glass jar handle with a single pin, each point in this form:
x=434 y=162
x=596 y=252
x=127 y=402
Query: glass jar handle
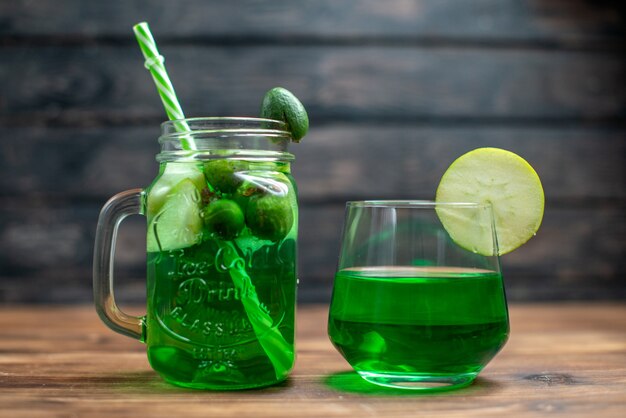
x=112 y=214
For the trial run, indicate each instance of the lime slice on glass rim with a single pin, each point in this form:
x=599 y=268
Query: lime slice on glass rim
x=179 y=221
x=498 y=177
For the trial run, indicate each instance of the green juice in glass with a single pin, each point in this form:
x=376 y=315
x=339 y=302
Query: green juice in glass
x=203 y=330
x=431 y=321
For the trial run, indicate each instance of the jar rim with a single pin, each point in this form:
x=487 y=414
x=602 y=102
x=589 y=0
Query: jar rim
x=169 y=127
x=219 y=137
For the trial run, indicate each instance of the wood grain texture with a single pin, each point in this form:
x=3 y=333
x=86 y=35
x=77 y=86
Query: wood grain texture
x=396 y=90
x=50 y=208
x=46 y=254
x=108 y=84
x=567 y=21
x=333 y=163
x=561 y=360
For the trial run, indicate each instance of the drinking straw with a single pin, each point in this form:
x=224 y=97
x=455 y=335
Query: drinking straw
x=277 y=349
x=155 y=64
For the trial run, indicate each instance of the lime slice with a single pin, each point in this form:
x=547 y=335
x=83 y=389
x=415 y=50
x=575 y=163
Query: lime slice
x=171 y=176
x=281 y=104
x=178 y=223
x=508 y=183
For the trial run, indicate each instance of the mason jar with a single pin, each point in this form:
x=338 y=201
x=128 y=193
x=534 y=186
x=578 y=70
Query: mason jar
x=222 y=224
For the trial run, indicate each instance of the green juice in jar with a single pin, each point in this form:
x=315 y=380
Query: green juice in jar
x=200 y=332
x=418 y=320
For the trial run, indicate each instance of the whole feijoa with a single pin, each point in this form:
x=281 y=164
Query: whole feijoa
x=223 y=175
x=224 y=218
x=244 y=193
x=269 y=216
x=281 y=104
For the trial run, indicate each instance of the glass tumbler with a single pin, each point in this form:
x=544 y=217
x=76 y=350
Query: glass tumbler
x=410 y=307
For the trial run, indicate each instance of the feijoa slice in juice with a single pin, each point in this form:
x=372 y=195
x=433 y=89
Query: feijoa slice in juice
x=178 y=224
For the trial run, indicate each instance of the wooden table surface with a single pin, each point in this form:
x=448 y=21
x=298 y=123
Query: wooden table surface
x=562 y=359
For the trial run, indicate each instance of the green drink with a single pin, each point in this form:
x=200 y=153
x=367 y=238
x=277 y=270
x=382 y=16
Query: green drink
x=418 y=321
x=221 y=241
x=222 y=225
x=411 y=308
x=200 y=333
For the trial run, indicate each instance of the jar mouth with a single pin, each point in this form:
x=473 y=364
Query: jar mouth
x=222 y=137
x=220 y=123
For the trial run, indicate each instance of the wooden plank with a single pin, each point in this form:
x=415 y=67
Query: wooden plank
x=45 y=254
x=562 y=360
x=105 y=84
x=333 y=163
x=565 y=21
x=407 y=162
x=577 y=254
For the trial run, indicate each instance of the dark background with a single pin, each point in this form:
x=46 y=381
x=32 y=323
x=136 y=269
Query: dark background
x=395 y=89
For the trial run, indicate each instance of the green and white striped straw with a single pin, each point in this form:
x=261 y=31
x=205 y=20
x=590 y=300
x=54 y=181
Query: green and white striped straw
x=154 y=64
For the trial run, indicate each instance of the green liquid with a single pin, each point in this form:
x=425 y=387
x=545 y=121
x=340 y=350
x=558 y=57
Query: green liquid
x=199 y=332
x=413 y=321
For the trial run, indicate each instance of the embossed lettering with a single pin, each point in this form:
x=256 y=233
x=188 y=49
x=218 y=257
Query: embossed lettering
x=197 y=291
x=231 y=325
x=191 y=291
x=176 y=312
x=214 y=354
